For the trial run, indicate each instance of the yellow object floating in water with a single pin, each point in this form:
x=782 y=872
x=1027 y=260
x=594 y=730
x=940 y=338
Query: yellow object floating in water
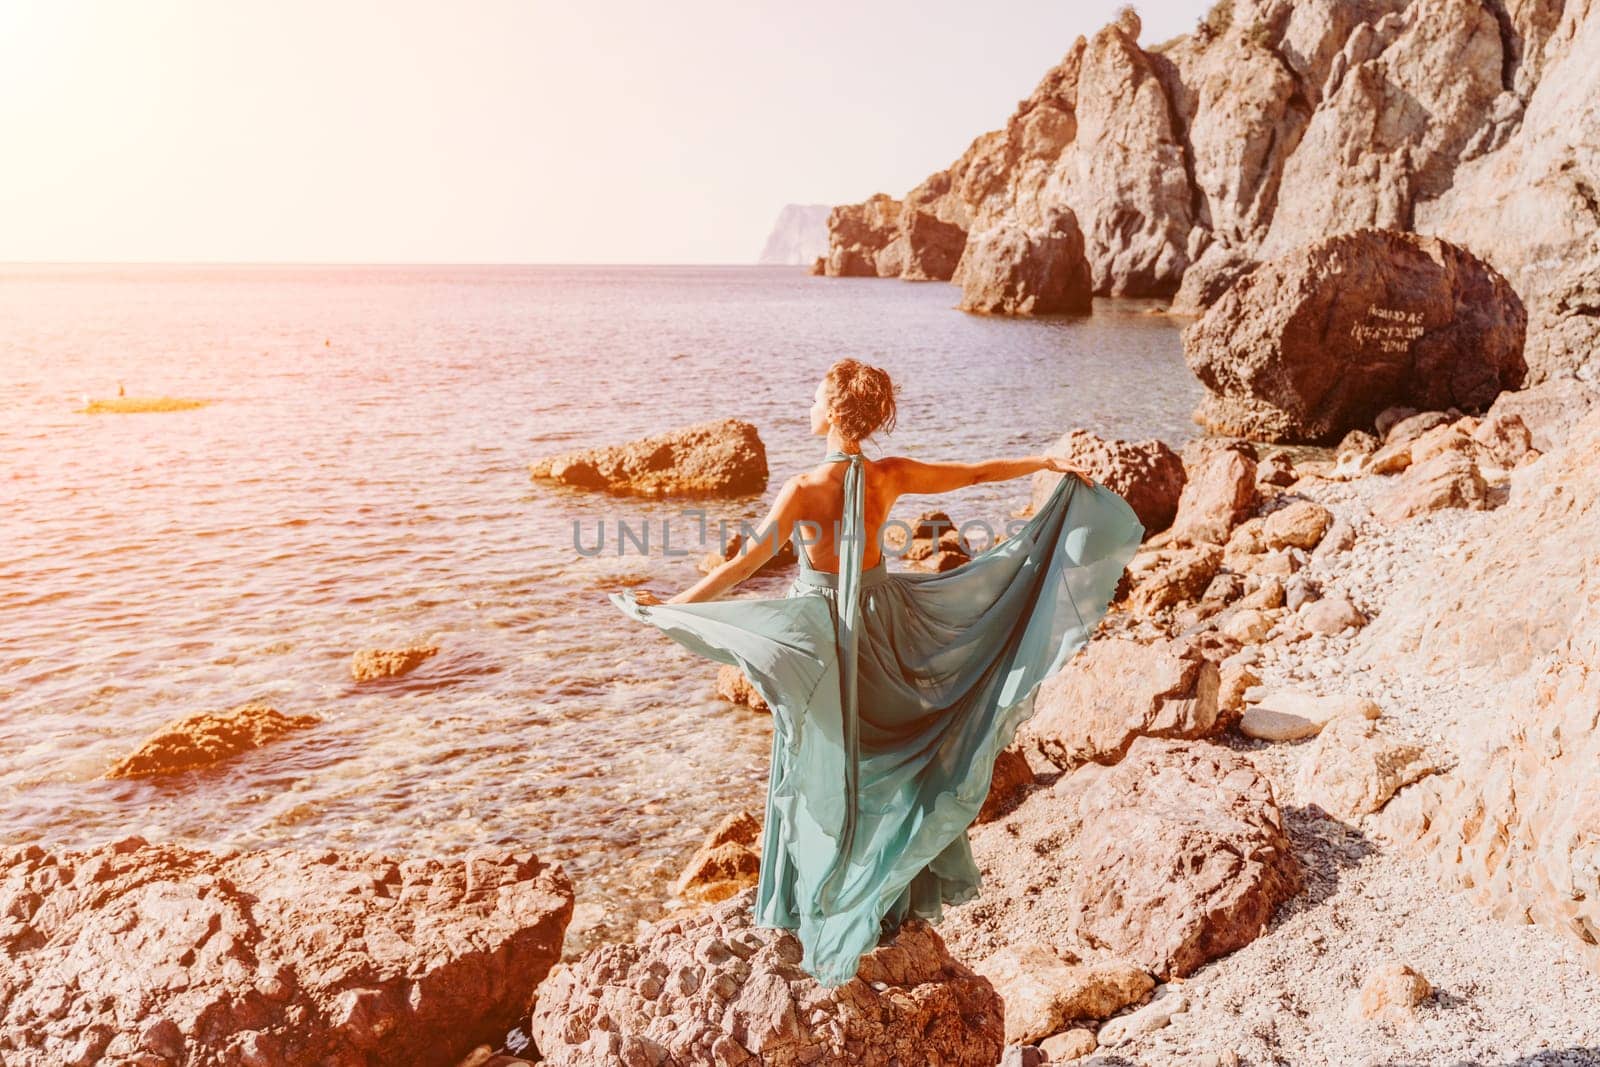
x=122 y=405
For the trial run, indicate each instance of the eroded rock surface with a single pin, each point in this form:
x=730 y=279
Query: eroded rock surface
x=711 y=987
x=1172 y=857
x=1015 y=270
x=159 y=954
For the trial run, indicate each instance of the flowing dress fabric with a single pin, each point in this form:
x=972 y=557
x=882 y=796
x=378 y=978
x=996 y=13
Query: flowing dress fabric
x=891 y=696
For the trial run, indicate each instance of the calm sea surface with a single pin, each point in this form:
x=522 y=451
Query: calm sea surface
x=360 y=479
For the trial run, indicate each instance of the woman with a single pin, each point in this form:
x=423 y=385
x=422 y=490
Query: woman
x=891 y=694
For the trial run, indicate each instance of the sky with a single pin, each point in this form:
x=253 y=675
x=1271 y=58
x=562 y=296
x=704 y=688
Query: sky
x=491 y=131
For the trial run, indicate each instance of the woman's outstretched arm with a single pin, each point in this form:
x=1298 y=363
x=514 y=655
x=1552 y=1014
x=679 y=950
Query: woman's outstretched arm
x=774 y=530
x=913 y=476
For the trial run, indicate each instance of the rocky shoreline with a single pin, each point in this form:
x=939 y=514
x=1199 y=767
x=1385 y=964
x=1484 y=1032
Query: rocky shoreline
x=1328 y=698
x=1321 y=790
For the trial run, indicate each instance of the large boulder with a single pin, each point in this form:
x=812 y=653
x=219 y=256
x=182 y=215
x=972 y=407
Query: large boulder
x=933 y=247
x=159 y=954
x=724 y=458
x=1014 y=270
x=1184 y=859
x=1317 y=343
x=712 y=987
x=1170 y=858
x=1219 y=493
x=1168 y=577
x=1149 y=475
x=1354 y=767
x=206 y=739
x=859 y=233
x=1115 y=691
x=1044 y=989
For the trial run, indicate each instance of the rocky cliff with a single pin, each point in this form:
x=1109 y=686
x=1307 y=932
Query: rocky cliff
x=799 y=236
x=1275 y=124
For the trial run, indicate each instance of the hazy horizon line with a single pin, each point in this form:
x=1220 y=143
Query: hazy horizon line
x=375 y=263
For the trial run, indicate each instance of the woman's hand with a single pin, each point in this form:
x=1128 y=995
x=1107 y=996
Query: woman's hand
x=1061 y=466
x=645 y=597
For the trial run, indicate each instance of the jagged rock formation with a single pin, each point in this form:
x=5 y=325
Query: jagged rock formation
x=1323 y=339
x=798 y=237
x=135 y=953
x=886 y=238
x=1275 y=124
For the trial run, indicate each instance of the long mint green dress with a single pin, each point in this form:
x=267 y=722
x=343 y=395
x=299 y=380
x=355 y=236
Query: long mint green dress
x=891 y=696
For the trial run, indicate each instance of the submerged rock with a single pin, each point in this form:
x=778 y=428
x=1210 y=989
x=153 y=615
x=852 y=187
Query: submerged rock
x=207 y=739
x=723 y=458
x=711 y=987
x=159 y=954
x=1320 y=341
x=936 y=544
x=370 y=664
x=736 y=688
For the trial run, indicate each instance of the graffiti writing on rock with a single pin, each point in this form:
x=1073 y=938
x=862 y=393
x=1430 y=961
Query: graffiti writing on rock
x=1391 y=328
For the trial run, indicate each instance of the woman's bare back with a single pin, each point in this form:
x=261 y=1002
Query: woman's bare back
x=821 y=510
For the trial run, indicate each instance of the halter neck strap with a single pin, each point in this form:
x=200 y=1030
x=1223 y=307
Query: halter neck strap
x=852 y=550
